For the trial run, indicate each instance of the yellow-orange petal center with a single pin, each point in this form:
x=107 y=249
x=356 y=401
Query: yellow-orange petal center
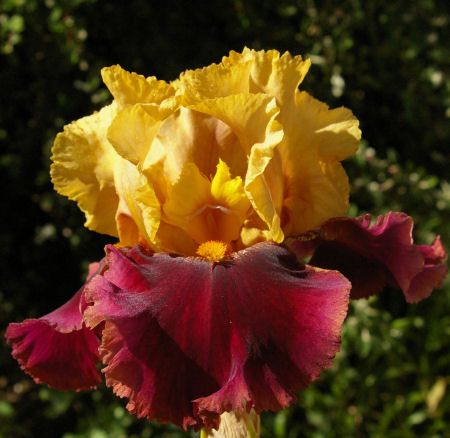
x=213 y=250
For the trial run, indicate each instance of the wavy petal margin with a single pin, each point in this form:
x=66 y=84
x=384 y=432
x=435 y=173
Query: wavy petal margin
x=130 y=88
x=58 y=349
x=186 y=339
x=83 y=169
x=372 y=257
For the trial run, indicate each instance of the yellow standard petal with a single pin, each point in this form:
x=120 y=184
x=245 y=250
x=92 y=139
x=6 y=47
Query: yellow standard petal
x=130 y=88
x=140 y=202
x=335 y=133
x=190 y=136
x=133 y=130
x=314 y=186
x=270 y=73
x=316 y=139
x=250 y=71
x=252 y=117
x=83 y=169
x=215 y=80
x=187 y=201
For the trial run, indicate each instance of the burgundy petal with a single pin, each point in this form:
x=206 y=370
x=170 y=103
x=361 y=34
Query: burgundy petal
x=57 y=348
x=186 y=339
x=432 y=274
x=372 y=257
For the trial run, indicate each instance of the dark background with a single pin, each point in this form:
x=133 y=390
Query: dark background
x=387 y=62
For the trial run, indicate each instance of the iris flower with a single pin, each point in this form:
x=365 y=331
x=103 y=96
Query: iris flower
x=216 y=186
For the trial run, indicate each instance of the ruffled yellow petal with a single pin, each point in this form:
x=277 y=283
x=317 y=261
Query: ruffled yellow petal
x=130 y=88
x=270 y=73
x=250 y=71
x=233 y=152
x=311 y=197
x=133 y=130
x=336 y=174
x=187 y=201
x=190 y=136
x=216 y=80
x=315 y=138
x=252 y=117
x=335 y=133
x=114 y=195
x=316 y=187
x=83 y=169
x=140 y=199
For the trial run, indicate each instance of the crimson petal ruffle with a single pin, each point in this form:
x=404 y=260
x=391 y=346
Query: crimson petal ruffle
x=186 y=339
x=58 y=349
x=372 y=257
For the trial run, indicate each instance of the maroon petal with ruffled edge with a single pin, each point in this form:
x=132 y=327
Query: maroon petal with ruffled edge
x=58 y=349
x=372 y=257
x=432 y=274
x=186 y=339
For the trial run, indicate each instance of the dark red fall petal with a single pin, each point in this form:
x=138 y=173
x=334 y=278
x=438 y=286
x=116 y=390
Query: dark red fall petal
x=57 y=348
x=146 y=366
x=188 y=339
x=432 y=274
x=373 y=257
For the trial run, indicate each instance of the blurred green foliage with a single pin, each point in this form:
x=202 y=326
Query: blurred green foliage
x=387 y=61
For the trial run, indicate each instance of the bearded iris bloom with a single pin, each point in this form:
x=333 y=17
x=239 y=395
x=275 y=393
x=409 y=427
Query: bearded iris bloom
x=216 y=185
